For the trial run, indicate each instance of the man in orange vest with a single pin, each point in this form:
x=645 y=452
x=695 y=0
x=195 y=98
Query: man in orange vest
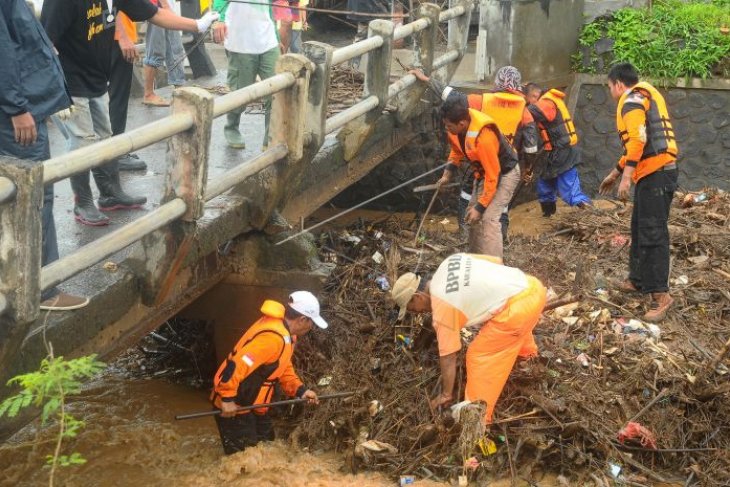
x=650 y=161
x=261 y=359
x=500 y=305
x=475 y=136
x=562 y=155
x=506 y=105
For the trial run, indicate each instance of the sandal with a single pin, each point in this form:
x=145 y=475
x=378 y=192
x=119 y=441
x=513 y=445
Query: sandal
x=155 y=101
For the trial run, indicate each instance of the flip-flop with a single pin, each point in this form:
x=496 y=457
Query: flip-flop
x=156 y=102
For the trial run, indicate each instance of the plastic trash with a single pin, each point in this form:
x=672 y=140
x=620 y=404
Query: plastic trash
x=583 y=359
x=378 y=257
x=382 y=283
x=635 y=431
x=407 y=480
x=614 y=469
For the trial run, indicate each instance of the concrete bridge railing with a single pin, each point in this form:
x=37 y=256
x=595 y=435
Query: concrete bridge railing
x=299 y=126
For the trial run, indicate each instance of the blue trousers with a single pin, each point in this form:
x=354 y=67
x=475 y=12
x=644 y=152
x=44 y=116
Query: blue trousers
x=567 y=184
x=40 y=151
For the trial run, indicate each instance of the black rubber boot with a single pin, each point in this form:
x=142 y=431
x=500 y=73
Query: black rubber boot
x=111 y=195
x=131 y=162
x=548 y=209
x=85 y=211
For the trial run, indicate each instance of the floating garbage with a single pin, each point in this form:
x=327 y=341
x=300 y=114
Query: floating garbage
x=378 y=257
x=471 y=464
x=583 y=359
x=636 y=431
x=614 y=470
x=407 y=480
x=374 y=408
x=324 y=381
x=382 y=283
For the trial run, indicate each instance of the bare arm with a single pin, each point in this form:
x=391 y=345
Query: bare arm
x=448 y=379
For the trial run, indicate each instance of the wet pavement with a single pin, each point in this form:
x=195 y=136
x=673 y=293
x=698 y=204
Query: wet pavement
x=150 y=183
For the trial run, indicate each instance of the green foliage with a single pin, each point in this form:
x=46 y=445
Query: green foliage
x=48 y=388
x=673 y=39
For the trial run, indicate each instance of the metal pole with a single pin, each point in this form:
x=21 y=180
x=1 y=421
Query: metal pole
x=234 y=176
x=105 y=150
x=334 y=217
x=357 y=49
x=110 y=243
x=359 y=108
x=215 y=412
x=239 y=98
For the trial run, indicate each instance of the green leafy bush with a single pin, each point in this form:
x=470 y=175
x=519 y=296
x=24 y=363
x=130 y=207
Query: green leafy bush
x=673 y=39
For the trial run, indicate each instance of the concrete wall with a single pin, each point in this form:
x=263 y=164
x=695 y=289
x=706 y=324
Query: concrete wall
x=701 y=118
x=536 y=36
x=596 y=8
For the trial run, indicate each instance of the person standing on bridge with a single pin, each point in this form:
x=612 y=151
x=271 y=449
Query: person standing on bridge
x=500 y=305
x=560 y=145
x=650 y=161
x=475 y=137
x=82 y=32
x=32 y=88
x=249 y=35
x=261 y=359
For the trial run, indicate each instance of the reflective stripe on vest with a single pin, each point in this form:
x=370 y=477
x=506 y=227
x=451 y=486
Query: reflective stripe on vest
x=660 y=137
x=479 y=121
x=560 y=133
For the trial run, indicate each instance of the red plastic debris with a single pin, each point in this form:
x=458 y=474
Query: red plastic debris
x=635 y=431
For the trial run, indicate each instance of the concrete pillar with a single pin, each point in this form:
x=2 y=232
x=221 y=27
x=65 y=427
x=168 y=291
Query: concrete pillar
x=20 y=251
x=377 y=75
x=320 y=54
x=260 y=271
x=289 y=107
x=187 y=164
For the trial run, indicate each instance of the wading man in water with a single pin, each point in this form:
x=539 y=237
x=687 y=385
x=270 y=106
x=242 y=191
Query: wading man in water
x=260 y=359
x=470 y=290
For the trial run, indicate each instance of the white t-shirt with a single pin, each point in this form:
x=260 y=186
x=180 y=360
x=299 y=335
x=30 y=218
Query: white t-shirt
x=469 y=289
x=251 y=29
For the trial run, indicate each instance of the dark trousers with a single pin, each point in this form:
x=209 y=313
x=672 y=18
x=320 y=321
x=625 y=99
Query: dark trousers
x=244 y=430
x=40 y=151
x=120 y=86
x=649 y=253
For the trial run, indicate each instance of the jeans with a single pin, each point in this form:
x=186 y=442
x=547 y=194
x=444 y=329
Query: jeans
x=164 y=47
x=649 y=252
x=89 y=122
x=567 y=184
x=296 y=42
x=40 y=151
x=485 y=236
x=242 y=72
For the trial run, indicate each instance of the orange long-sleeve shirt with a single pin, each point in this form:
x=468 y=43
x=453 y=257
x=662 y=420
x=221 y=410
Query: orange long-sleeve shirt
x=634 y=116
x=487 y=151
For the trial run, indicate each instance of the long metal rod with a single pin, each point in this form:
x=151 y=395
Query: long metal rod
x=403 y=31
x=357 y=49
x=380 y=195
x=7 y=189
x=236 y=99
x=234 y=176
x=452 y=13
x=110 y=243
x=215 y=412
x=351 y=113
x=93 y=155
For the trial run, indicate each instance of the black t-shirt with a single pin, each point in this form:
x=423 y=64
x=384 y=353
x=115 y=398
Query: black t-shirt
x=83 y=34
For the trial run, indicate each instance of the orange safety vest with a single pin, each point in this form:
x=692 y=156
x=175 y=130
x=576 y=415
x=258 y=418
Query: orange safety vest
x=257 y=386
x=560 y=132
x=659 y=131
x=505 y=109
x=480 y=121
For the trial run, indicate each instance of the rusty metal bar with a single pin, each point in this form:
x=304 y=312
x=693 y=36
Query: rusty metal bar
x=357 y=49
x=452 y=13
x=234 y=176
x=7 y=189
x=351 y=113
x=61 y=167
x=239 y=98
x=99 y=249
x=406 y=30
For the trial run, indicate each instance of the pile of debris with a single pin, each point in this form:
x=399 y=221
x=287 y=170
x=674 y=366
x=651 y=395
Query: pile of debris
x=610 y=399
x=346 y=88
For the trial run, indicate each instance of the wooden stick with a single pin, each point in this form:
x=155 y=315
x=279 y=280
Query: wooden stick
x=656 y=399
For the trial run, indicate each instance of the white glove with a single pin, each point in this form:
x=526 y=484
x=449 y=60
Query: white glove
x=66 y=113
x=206 y=20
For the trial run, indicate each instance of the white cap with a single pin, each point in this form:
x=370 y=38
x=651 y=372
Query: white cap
x=305 y=303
